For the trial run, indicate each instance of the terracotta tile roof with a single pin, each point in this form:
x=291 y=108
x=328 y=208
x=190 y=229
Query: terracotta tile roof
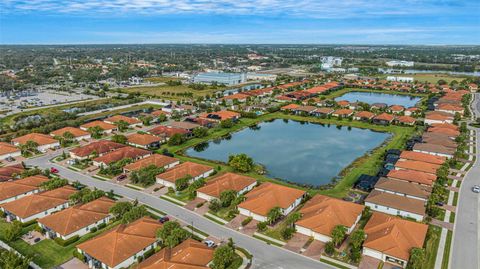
x=397 y=202
x=118 y=118
x=166 y=131
x=418 y=166
x=283 y=98
x=437 y=115
x=158 y=160
x=364 y=114
x=238 y=96
x=76 y=132
x=307 y=109
x=424 y=157
x=228 y=181
x=442 y=141
x=101 y=147
x=184 y=169
x=413 y=176
x=343 y=103
x=184 y=125
x=404 y=187
x=343 y=112
x=11 y=189
x=406 y=119
x=269 y=195
x=412 y=109
x=143 y=139
x=77 y=217
x=220 y=115
x=322 y=213
x=385 y=117
x=394 y=236
x=289 y=107
x=105 y=126
x=40 y=139
x=190 y=254
x=8 y=172
x=445 y=125
x=157 y=113
x=122 y=153
x=6 y=148
x=39 y=202
x=450 y=107
x=447 y=131
x=397 y=108
x=122 y=242
x=428 y=147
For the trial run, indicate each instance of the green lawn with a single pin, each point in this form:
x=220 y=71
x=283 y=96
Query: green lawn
x=446 y=253
x=335 y=94
x=431 y=246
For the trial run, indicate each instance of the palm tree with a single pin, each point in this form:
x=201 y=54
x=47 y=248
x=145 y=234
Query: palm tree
x=274 y=214
x=338 y=234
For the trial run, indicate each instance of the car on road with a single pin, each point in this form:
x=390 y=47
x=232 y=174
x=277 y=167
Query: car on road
x=210 y=243
x=121 y=177
x=476 y=189
x=53 y=170
x=164 y=219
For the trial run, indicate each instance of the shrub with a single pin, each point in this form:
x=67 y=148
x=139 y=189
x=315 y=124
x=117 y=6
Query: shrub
x=101 y=226
x=246 y=221
x=262 y=226
x=78 y=255
x=329 y=248
x=200 y=204
x=94 y=229
x=215 y=205
x=287 y=233
x=67 y=242
x=28 y=223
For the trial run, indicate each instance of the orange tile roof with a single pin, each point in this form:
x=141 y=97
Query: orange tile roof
x=385 y=117
x=445 y=125
x=101 y=147
x=289 y=107
x=397 y=108
x=404 y=187
x=122 y=242
x=76 y=132
x=343 y=103
x=8 y=172
x=159 y=112
x=322 y=213
x=228 y=181
x=39 y=202
x=239 y=96
x=143 y=139
x=158 y=160
x=6 y=148
x=413 y=176
x=118 y=118
x=184 y=169
x=365 y=114
x=437 y=115
x=406 y=119
x=190 y=254
x=418 y=166
x=40 y=139
x=11 y=189
x=221 y=115
x=75 y=218
x=122 y=153
x=447 y=131
x=105 y=126
x=424 y=157
x=449 y=107
x=343 y=112
x=398 y=202
x=166 y=131
x=324 y=110
x=269 y=195
x=394 y=236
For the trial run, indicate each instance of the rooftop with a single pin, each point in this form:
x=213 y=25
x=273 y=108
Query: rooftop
x=228 y=181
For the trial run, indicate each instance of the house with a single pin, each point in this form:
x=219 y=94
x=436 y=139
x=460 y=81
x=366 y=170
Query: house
x=403 y=188
x=418 y=156
x=433 y=149
x=442 y=130
x=44 y=141
x=121 y=246
x=396 y=109
x=393 y=204
x=10 y=172
x=185 y=125
x=240 y=97
x=8 y=151
x=450 y=108
x=321 y=214
x=145 y=141
x=132 y=122
x=77 y=133
x=94 y=149
x=322 y=111
x=229 y=181
x=190 y=254
x=417 y=166
x=305 y=110
x=343 y=103
x=13 y=190
x=444 y=125
x=383 y=119
x=77 y=220
x=167 y=131
x=364 y=116
x=412 y=176
x=38 y=205
x=390 y=239
x=442 y=141
x=411 y=111
x=289 y=107
x=194 y=170
x=438 y=117
x=157 y=160
x=406 y=120
x=343 y=113
x=106 y=127
x=220 y=116
x=120 y=154
x=378 y=106
x=262 y=199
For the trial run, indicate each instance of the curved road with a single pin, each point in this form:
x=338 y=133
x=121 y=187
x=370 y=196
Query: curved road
x=264 y=256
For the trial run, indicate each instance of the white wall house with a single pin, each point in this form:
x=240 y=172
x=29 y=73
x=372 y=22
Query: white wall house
x=322 y=237
x=394 y=211
x=11 y=155
x=169 y=184
x=383 y=257
x=81 y=232
x=242 y=191
x=12 y=217
x=285 y=211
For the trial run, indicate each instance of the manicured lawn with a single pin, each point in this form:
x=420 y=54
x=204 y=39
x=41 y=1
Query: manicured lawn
x=161 y=79
x=172 y=92
x=446 y=253
x=431 y=246
x=341 y=92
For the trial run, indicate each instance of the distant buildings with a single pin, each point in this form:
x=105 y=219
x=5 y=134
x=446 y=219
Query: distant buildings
x=400 y=63
x=220 y=78
x=331 y=61
x=257 y=76
x=400 y=79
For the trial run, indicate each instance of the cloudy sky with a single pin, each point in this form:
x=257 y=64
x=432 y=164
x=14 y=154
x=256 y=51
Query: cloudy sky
x=240 y=21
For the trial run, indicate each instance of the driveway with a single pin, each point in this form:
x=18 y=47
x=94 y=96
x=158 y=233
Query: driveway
x=297 y=242
x=368 y=262
x=314 y=250
x=73 y=264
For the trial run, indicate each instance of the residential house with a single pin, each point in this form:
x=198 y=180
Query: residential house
x=220 y=116
x=322 y=111
x=289 y=107
x=343 y=113
x=396 y=109
x=321 y=214
x=406 y=120
x=412 y=111
x=10 y=172
x=185 y=125
x=433 y=149
x=343 y=103
x=413 y=176
x=229 y=181
x=132 y=122
x=438 y=117
x=417 y=166
x=267 y=196
x=194 y=170
x=450 y=108
x=383 y=119
x=145 y=141
x=157 y=160
x=364 y=116
x=447 y=131
x=305 y=110
x=107 y=128
x=120 y=154
x=378 y=106
x=167 y=131
x=95 y=149
x=44 y=141
x=418 y=156
x=393 y=204
x=13 y=190
x=403 y=188
x=8 y=151
x=77 y=133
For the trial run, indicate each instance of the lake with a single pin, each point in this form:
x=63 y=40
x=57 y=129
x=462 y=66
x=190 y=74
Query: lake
x=376 y=97
x=299 y=152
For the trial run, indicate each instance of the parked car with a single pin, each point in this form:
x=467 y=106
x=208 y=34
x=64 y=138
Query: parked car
x=121 y=177
x=210 y=243
x=53 y=170
x=476 y=189
x=164 y=219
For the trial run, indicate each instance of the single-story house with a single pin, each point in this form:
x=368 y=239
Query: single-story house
x=98 y=148
x=289 y=107
x=13 y=190
x=77 y=220
x=434 y=149
x=343 y=113
x=158 y=160
x=424 y=157
x=44 y=141
x=229 y=181
x=145 y=141
x=403 y=188
x=305 y=110
x=77 y=133
x=413 y=176
x=132 y=122
x=438 y=117
x=441 y=130
x=383 y=119
x=407 y=120
x=417 y=166
x=167 y=131
x=363 y=115
x=322 y=111
x=121 y=246
x=393 y=204
x=450 y=108
x=185 y=125
x=321 y=214
x=396 y=109
x=106 y=127
x=262 y=199
x=411 y=111
x=378 y=106
x=220 y=116
x=9 y=151
x=194 y=170
x=390 y=239
x=343 y=103
x=120 y=154
x=10 y=172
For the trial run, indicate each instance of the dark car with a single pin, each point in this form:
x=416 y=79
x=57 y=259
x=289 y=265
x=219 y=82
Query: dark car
x=121 y=177
x=164 y=219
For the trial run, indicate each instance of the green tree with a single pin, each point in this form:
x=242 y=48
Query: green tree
x=30 y=147
x=338 y=234
x=292 y=218
x=176 y=139
x=417 y=258
x=171 y=234
x=134 y=213
x=241 y=162
x=274 y=214
x=95 y=131
x=228 y=123
x=215 y=205
x=227 y=197
x=120 y=208
x=223 y=257
x=329 y=248
x=122 y=125
x=53 y=184
x=357 y=238
x=182 y=183
x=11 y=260
x=118 y=138
x=146 y=176
x=200 y=132
x=13 y=231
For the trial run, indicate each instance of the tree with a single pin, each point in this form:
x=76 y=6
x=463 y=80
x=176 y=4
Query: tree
x=171 y=234
x=215 y=205
x=274 y=214
x=182 y=183
x=357 y=238
x=292 y=218
x=95 y=131
x=228 y=123
x=13 y=231
x=338 y=234
x=53 y=184
x=176 y=139
x=11 y=260
x=134 y=213
x=146 y=176
x=417 y=258
x=118 y=138
x=227 y=197
x=30 y=147
x=223 y=257
x=329 y=248
x=200 y=132
x=241 y=162
x=120 y=208
x=161 y=118
x=122 y=125
x=86 y=195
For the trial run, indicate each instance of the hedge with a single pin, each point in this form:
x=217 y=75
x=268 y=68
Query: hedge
x=101 y=226
x=246 y=221
x=28 y=223
x=67 y=242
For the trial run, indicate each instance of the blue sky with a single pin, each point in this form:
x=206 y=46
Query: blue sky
x=240 y=21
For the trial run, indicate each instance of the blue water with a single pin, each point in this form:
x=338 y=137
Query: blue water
x=304 y=153
x=375 y=97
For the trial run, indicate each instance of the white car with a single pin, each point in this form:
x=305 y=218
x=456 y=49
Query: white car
x=476 y=188
x=209 y=243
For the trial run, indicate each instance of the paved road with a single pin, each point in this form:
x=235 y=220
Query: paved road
x=265 y=256
x=466 y=235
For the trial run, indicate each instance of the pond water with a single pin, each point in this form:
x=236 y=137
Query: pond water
x=375 y=97
x=300 y=152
